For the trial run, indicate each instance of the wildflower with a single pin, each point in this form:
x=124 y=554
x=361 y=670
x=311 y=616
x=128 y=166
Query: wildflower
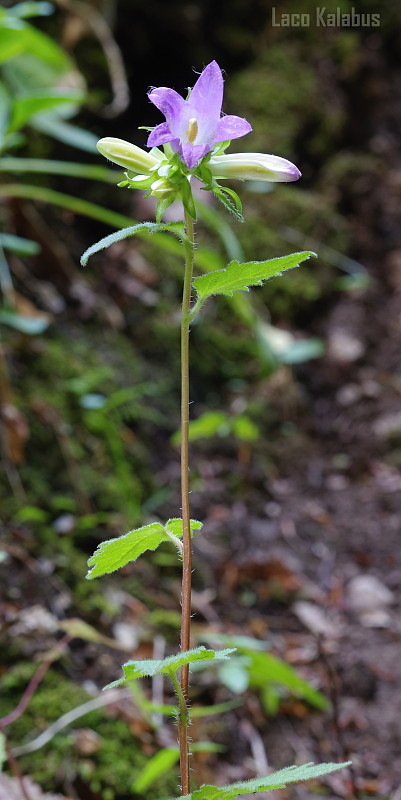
x=194 y=126
x=253 y=167
x=194 y=136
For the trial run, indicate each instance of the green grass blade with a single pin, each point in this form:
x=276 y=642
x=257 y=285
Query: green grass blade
x=203 y=257
x=69 y=168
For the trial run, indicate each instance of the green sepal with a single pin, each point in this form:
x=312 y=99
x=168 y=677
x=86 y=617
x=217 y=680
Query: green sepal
x=187 y=199
x=146 y=183
x=163 y=204
x=239 y=277
x=149 y=667
x=116 y=553
x=220 y=148
x=168 y=151
x=277 y=780
x=204 y=173
x=175 y=228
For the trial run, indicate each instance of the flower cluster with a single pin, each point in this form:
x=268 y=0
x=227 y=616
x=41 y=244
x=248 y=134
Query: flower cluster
x=194 y=138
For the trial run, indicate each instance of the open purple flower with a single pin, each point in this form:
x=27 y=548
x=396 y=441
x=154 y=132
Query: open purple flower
x=195 y=125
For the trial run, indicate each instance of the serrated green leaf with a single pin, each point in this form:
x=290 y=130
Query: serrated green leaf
x=176 y=228
x=234 y=197
x=277 y=780
x=239 y=277
x=147 y=668
x=116 y=553
x=230 y=201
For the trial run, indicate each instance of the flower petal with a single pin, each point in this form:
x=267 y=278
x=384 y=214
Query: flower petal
x=192 y=153
x=168 y=101
x=206 y=97
x=160 y=135
x=231 y=127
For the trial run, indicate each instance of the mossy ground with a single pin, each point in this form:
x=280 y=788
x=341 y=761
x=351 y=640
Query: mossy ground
x=118 y=756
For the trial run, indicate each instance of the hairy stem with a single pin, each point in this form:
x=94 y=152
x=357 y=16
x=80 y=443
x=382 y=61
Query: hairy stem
x=186 y=541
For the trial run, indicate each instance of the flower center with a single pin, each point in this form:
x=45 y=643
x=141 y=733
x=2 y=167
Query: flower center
x=192 y=130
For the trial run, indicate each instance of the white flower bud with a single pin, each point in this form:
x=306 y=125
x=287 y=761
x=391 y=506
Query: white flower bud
x=254 y=167
x=161 y=188
x=128 y=155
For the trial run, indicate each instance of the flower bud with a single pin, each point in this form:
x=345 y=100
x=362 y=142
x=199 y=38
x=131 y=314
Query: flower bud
x=127 y=155
x=254 y=167
x=161 y=188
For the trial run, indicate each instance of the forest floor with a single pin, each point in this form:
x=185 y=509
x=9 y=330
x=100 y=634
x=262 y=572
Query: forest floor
x=309 y=562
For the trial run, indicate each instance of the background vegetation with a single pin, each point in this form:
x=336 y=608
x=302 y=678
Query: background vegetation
x=296 y=433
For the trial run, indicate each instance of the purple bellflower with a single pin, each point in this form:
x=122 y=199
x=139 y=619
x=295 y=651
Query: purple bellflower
x=195 y=135
x=194 y=126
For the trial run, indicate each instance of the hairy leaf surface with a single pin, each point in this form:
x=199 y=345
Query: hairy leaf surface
x=148 y=667
x=239 y=277
x=277 y=780
x=115 y=553
x=176 y=228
